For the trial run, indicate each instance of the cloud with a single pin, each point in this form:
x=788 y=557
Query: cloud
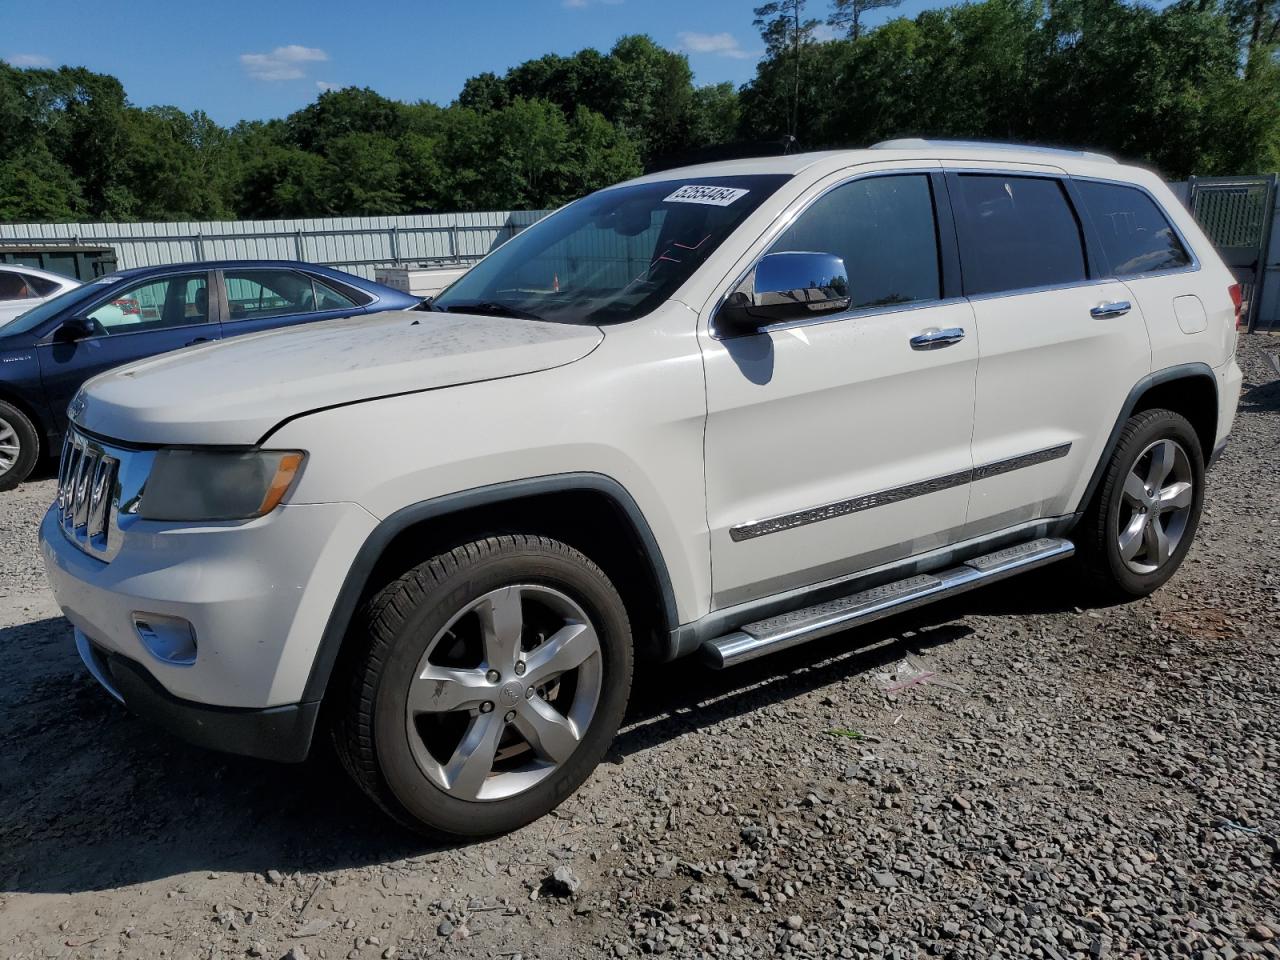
x=28 y=60
x=716 y=44
x=282 y=63
x=323 y=85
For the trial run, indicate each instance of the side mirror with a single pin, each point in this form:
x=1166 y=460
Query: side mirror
x=786 y=286
x=75 y=328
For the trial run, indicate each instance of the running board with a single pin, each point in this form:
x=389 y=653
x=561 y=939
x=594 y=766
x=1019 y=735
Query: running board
x=810 y=623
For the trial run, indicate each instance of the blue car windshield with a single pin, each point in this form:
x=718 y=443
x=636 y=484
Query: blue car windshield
x=612 y=256
x=37 y=315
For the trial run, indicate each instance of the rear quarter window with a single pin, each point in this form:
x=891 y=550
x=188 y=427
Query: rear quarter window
x=1136 y=235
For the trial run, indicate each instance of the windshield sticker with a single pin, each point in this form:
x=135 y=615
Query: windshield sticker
x=714 y=196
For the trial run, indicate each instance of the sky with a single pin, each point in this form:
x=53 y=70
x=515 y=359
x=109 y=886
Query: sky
x=255 y=59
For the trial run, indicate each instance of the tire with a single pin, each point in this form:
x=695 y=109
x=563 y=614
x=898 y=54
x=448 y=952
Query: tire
x=19 y=446
x=1121 y=551
x=431 y=687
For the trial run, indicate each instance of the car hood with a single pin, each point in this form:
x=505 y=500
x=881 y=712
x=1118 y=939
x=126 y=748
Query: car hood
x=235 y=391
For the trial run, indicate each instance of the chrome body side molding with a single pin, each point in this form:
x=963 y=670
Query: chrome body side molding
x=829 y=511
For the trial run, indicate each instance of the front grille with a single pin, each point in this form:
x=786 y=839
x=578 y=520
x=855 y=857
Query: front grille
x=89 y=494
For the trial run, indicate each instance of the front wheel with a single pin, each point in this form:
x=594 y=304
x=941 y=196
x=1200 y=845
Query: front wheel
x=19 y=446
x=487 y=685
x=1140 y=525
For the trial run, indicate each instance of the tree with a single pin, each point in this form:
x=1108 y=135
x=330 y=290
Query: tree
x=365 y=176
x=847 y=16
x=338 y=113
x=786 y=33
x=36 y=188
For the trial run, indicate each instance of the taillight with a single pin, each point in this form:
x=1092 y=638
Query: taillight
x=1236 y=292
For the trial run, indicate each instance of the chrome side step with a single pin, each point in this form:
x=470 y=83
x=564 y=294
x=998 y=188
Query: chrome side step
x=810 y=623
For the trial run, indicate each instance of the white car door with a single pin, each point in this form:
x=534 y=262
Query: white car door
x=1062 y=344
x=832 y=443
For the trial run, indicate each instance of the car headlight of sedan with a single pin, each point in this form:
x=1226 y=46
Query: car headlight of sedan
x=204 y=485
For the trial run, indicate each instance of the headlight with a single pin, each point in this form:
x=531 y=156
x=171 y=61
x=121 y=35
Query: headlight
x=197 y=485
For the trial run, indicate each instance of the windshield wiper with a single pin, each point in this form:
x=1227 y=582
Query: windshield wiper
x=490 y=308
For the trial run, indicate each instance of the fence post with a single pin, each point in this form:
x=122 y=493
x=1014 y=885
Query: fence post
x=395 y=243
x=199 y=245
x=297 y=245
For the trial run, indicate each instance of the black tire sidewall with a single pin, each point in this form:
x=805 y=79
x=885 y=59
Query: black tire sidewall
x=1165 y=425
x=28 y=446
x=420 y=798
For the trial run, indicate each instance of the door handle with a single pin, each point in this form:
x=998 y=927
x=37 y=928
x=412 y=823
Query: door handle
x=1115 y=308
x=933 y=338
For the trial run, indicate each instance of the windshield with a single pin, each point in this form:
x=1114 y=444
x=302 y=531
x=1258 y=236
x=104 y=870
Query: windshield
x=28 y=321
x=612 y=256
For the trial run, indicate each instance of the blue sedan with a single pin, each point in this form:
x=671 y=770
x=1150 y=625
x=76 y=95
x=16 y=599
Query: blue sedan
x=49 y=351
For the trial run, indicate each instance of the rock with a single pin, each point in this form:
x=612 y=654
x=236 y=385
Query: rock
x=795 y=922
x=275 y=877
x=445 y=928
x=312 y=927
x=1260 y=931
x=563 y=882
x=885 y=879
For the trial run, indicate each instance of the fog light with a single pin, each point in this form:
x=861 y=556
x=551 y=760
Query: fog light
x=170 y=639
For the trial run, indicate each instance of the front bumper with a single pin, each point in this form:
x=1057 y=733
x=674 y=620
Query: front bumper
x=257 y=596
x=281 y=733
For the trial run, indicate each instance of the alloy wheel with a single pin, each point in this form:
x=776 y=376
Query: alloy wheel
x=504 y=693
x=10 y=448
x=1155 y=506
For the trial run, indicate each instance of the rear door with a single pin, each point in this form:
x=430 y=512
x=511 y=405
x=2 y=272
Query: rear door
x=1061 y=344
x=134 y=321
x=263 y=298
x=1186 y=321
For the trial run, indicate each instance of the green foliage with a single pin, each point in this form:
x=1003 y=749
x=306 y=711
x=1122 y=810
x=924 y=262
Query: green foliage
x=1192 y=87
x=1165 y=87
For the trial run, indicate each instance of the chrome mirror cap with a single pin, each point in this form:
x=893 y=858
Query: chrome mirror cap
x=786 y=286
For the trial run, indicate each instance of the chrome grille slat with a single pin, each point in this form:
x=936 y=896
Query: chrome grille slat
x=90 y=477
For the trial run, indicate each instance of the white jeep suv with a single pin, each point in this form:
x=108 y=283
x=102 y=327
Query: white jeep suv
x=725 y=409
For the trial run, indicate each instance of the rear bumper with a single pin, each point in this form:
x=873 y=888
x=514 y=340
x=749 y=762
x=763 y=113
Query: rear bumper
x=280 y=733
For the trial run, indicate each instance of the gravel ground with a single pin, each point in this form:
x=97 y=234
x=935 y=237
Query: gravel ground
x=1068 y=783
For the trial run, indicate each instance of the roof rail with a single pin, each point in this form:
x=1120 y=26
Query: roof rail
x=920 y=143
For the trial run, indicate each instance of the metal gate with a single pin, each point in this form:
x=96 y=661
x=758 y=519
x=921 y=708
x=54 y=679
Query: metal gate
x=1236 y=213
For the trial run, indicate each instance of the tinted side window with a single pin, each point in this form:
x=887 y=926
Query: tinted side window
x=1135 y=234
x=14 y=286
x=884 y=230
x=1019 y=232
x=329 y=299
x=253 y=294
x=40 y=285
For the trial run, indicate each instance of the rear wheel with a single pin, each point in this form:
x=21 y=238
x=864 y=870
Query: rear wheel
x=1143 y=519
x=19 y=446
x=490 y=682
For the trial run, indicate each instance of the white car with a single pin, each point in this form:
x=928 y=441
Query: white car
x=22 y=288
x=718 y=410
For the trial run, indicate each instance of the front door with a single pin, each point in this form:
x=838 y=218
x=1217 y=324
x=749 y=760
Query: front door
x=835 y=444
x=136 y=320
